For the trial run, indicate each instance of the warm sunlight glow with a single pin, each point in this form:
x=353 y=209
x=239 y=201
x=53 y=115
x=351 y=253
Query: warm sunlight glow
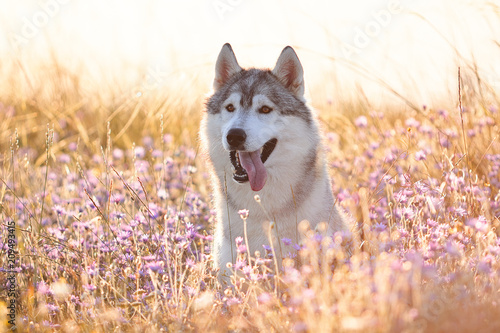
x=151 y=180
x=365 y=44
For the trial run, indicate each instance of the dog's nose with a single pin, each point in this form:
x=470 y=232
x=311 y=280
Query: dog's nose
x=236 y=138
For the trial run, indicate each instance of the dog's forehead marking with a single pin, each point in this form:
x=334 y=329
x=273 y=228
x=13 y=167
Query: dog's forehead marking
x=234 y=97
x=261 y=99
x=246 y=83
x=252 y=82
x=250 y=85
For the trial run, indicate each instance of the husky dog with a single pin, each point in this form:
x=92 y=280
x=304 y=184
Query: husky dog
x=261 y=138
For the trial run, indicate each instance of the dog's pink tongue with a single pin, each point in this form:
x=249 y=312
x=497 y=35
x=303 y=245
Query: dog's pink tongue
x=255 y=169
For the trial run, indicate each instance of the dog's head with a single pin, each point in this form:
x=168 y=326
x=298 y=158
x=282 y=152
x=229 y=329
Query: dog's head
x=254 y=112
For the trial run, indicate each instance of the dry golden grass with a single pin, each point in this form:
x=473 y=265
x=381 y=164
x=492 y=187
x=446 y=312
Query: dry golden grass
x=404 y=275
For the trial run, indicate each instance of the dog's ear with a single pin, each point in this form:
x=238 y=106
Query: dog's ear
x=289 y=71
x=225 y=67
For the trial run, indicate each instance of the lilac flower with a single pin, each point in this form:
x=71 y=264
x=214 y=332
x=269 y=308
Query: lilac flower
x=54 y=254
x=47 y=323
x=243 y=213
x=240 y=264
x=389 y=179
x=361 y=122
x=233 y=301
x=268 y=250
x=264 y=298
x=43 y=288
x=72 y=146
x=167 y=138
x=155 y=266
x=52 y=307
x=400 y=197
x=343 y=195
x=190 y=232
x=379 y=227
x=459 y=211
x=480 y=224
x=444 y=142
x=426 y=129
x=59 y=210
x=125 y=234
x=420 y=155
x=494 y=250
x=412 y=122
x=374 y=114
x=117 y=154
x=153 y=210
x=139 y=152
x=141 y=166
x=484 y=265
x=75 y=299
x=97 y=159
x=89 y=287
x=162 y=194
x=241 y=248
x=147 y=141
x=431 y=223
x=332 y=137
x=453 y=249
x=156 y=153
x=118 y=198
x=190 y=154
x=390 y=157
x=443 y=113
x=238 y=240
x=64 y=158
x=190 y=263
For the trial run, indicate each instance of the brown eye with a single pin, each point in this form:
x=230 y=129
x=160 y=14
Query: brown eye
x=230 y=108
x=265 y=109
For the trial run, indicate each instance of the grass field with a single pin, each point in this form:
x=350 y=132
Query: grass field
x=106 y=213
x=113 y=222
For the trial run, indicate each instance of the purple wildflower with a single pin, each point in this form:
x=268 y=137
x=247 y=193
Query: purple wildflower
x=361 y=122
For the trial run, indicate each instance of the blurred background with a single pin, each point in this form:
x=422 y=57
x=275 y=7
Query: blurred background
x=81 y=63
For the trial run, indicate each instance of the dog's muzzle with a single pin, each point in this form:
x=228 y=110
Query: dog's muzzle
x=239 y=173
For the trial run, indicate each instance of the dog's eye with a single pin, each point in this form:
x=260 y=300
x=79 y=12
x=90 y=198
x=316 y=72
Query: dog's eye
x=230 y=107
x=265 y=109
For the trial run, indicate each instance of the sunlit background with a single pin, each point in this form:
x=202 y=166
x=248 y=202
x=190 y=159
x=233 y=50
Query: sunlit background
x=381 y=52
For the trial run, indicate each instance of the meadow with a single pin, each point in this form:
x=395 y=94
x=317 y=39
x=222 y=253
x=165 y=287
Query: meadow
x=110 y=198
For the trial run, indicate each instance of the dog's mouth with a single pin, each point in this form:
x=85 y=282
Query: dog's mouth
x=249 y=166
